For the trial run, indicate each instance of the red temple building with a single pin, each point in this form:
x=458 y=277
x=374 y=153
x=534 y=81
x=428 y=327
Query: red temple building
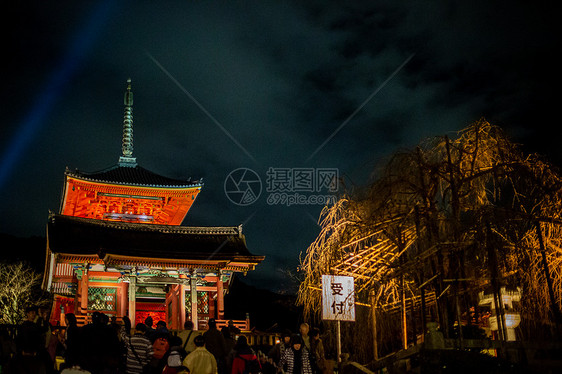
x=117 y=246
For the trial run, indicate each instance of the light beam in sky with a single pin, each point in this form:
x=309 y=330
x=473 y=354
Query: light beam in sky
x=35 y=118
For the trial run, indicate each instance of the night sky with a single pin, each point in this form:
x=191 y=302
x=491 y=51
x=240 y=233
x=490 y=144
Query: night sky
x=292 y=86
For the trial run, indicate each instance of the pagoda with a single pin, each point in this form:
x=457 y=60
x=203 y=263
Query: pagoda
x=117 y=246
x=127 y=192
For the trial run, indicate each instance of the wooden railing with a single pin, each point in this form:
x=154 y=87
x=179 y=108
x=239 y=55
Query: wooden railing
x=243 y=325
x=254 y=338
x=262 y=339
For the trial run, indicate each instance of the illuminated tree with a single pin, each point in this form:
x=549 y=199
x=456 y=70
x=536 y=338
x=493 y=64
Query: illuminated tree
x=19 y=285
x=441 y=223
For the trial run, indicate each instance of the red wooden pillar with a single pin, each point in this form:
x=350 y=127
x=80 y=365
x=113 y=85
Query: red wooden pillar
x=220 y=296
x=123 y=300
x=175 y=300
x=181 y=299
x=211 y=306
x=84 y=291
x=193 y=295
x=132 y=297
x=77 y=297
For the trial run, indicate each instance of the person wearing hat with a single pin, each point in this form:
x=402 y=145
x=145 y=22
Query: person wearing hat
x=296 y=359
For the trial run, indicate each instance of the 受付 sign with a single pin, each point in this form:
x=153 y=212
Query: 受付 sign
x=338 y=298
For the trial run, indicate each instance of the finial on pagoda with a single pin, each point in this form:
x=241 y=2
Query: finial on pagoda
x=127 y=158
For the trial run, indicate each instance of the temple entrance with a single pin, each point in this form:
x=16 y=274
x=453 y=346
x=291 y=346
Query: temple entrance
x=61 y=305
x=155 y=309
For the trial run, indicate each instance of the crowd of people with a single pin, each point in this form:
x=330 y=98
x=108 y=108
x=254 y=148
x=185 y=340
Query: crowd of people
x=107 y=347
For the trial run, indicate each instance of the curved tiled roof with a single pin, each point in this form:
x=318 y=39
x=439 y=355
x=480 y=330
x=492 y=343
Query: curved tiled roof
x=83 y=236
x=132 y=175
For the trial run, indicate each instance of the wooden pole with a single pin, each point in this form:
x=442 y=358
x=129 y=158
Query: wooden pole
x=132 y=296
x=84 y=289
x=421 y=276
x=123 y=298
x=501 y=316
x=492 y=264
x=458 y=310
x=422 y=307
x=338 y=337
x=193 y=294
x=553 y=305
x=181 y=298
x=374 y=323
x=404 y=326
x=220 y=296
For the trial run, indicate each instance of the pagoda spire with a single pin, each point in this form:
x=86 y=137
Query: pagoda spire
x=127 y=158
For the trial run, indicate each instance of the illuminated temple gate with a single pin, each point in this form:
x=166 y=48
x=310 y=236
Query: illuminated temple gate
x=117 y=246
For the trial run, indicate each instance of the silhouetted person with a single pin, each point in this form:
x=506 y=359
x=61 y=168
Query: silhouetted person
x=99 y=343
x=187 y=336
x=29 y=343
x=303 y=330
x=278 y=349
x=317 y=358
x=229 y=343
x=149 y=329
x=244 y=357
x=214 y=342
x=71 y=341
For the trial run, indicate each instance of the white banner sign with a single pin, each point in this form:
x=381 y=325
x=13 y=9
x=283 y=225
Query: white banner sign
x=338 y=298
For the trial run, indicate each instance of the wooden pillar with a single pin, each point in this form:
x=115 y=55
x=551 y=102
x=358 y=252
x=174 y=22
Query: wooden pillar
x=62 y=315
x=181 y=299
x=170 y=312
x=459 y=322
x=52 y=268
x=220 y=296
x=193 y=292
x=123 y=299
x=77 y=296
x=211 y=304
x=84 y=290
x=557 y=314
x=403 y=314
x=176 y=307
x=132 y=296
x=422 y=307
x=373 y=302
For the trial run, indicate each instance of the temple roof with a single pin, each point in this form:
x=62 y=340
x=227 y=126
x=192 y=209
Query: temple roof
x=135 y=176
x=83 y=236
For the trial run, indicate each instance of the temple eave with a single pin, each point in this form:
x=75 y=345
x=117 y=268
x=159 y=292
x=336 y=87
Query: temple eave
x=116 y=261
